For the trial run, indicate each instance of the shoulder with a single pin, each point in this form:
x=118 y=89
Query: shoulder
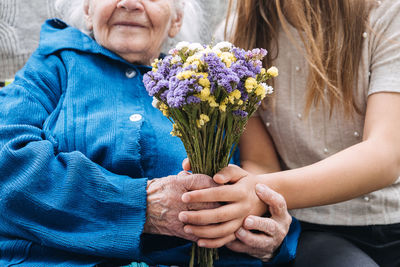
x=57 y=35
x=384 y=13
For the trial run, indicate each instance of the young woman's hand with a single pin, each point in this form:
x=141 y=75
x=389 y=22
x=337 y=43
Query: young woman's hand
x=270 y=231
x=216 y=227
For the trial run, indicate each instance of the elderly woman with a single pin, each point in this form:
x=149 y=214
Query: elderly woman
x=85 y=160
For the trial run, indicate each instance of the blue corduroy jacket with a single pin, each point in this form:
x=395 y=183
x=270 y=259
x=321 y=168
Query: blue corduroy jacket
x=79 y=139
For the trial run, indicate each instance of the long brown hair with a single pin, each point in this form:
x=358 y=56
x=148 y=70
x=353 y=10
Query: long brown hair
x=332 y=33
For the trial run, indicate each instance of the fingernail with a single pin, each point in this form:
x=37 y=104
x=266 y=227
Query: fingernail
x=185 y=198
x=182 y=217
x=249 y=222
x=220 y=178
x=241 y=232
x=201 y=244
x=188 y=230
x=260 y=188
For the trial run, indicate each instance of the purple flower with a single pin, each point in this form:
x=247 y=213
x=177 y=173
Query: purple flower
x=240 y=113
x=220 y=74
x=180 y=91
x=244 y=95
x=193 y=99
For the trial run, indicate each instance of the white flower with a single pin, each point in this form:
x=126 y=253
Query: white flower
x=223 y=46
x=176 y=59
x=155 y=102
x=196 y=47
x=268 y=89
x=182 y=45
x=216 y=50
x=173 y=51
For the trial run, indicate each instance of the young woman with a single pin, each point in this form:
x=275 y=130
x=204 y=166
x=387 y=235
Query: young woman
x=333 y=121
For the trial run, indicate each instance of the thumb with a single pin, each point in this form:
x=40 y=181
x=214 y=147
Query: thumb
x=230 y=174
x=186 y=165
x=195 y=181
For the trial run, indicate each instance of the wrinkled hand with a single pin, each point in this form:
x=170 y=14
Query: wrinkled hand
x=272 y=230
x=164 y=203
x=216 y=227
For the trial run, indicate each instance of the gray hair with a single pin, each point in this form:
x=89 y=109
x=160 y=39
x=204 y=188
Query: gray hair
x=71 y=11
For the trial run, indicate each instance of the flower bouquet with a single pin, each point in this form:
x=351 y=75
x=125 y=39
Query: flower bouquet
x=209 y=93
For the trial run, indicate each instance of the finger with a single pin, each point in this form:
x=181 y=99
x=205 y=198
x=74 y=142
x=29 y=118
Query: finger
x=186 y=164
x=255 y=240
x=239 y=246
x=225 y=193
x=265 y=225
x=204 y=217
x=195 y=181
x=274 y=200
x=203 y=206
x=215 y=243
x=230 y=174
x=214 y=230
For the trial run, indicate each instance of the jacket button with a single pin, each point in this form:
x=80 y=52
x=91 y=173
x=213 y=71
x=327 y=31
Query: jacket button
x=130 y=73
x=135 y=117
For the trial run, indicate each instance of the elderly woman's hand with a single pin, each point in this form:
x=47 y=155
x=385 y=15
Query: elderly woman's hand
x=164 y=203
x=271 y=231
x=216 y=227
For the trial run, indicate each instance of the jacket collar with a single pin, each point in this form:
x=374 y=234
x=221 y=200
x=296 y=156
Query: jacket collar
x=56 y=35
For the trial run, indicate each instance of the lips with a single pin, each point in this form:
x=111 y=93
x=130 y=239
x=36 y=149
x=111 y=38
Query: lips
x=129 y=24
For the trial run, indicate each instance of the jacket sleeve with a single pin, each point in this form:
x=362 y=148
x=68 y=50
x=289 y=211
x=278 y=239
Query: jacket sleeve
x=60 y=200
x=287 y=251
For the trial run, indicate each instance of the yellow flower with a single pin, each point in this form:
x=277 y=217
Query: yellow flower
x=193 y=60
x=263 y=71
x=205 y=93
x=260 y=91
x=222 y=105
x=164 y=108
x=204 y=117
x=204 y=82
x=236 y=94
x=212 y=102
x=204 y=74
x=175 y=130
x=185 y=74
x=273 y=71
x=250 y=84
x=227 y=58
x=203 y=120
x=154 y=65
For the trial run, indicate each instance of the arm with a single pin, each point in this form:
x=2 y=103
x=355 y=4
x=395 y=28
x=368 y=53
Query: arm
x=257 y=152
x=365 y=167
x=63 y=199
